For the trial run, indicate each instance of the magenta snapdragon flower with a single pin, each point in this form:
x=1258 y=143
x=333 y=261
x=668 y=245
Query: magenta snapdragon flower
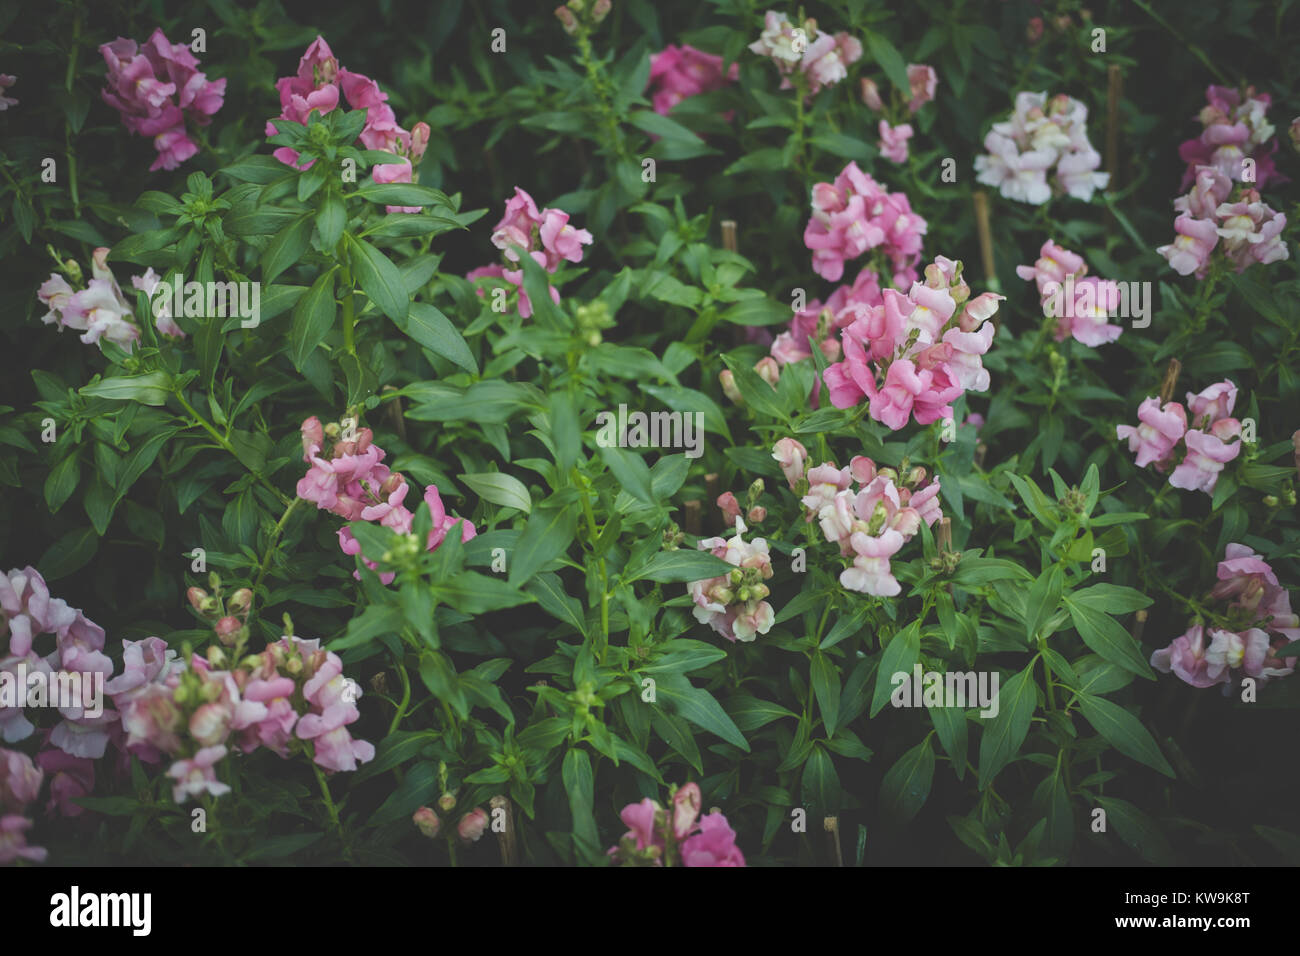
x=156 y=87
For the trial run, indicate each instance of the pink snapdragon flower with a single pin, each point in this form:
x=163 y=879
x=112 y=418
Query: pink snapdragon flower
x=1213 y=402
x=1041 y=134
x=20 y=781
x=1186 y=658
x=854 y=215
x=914 y=354
x=679 y=836
x=733 y=604
x=156 y=87
x=791 y=455
x=197 y=775
x=321 y=85
x=1234 y=130
x=1207 y=453
x=13 y=840
x=1160 y=428
x=1190 y=250
x=827 y=59
x=353 y=484
x=893 y=141
x=677 y=73
x=713 y=845
x=544 y=234
x=923 y=81
x=100 y=310
x=1248 y=582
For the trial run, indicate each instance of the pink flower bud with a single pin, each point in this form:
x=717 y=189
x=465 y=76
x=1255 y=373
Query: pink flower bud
x=729 y=389
x=729 y=507
x=871 y=95
x=567 y=19
x=686 y=809
x=196 y=597
x=472 y=825
x=768 y=370
x=756 y=514
x=1034 y=29
x=227 y=629
x=427 y=821
x=240 y=602
x=313 y=436
x=600 y=10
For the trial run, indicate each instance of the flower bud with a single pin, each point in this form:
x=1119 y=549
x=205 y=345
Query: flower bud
x=293 y=666
x=240 y=602
x=196 y=597
x=916 y=477
x=216 y=657
x=1034 y=29
x=567 y=20
x=686 y=809
x=756 y=514
x=214 y=580
x=447 y=802
x=472 y=825
x=728 y=380
x=737 y=576
x=768 y=370
x=427 y=821
x=871 y=95
x=228 y=630
x=600 y=10
x=1271 y=501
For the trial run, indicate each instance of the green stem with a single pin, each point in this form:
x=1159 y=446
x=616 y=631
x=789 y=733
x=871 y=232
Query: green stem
x=223 y=442
x=270 y=546
x=406 y=699
x=349 y=325
x=333 y=811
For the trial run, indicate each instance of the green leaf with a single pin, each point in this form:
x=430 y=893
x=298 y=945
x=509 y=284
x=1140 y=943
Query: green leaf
x=440 y=677
x=555 y=601
x=150 y=388
x=826 y=687
x=62 y=481
x=1124 y=732
x=1111 y=598
x=418 y=788
x=278 y=847
x=1104 y=635
x=1137 y=830
x=680 y=566
x=699 y=707
x=70 y=553
x=757 y=394
x=1004 y=733
x=286 y=247
x=1043 y=600
x=379 y=278
x=950 y=726
x=428 y=326
x=313 y=317
x=402 y=194
x=547 y=535
x=887 y=55
x=500 y=489
x=820 y=783
x=473 y=593
x=900 y=655
x=750 y=713
x=331 y=217
x=758 y=311
x=907 y=784
x=630 y=471
x=375 y=621
x=579 y=784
